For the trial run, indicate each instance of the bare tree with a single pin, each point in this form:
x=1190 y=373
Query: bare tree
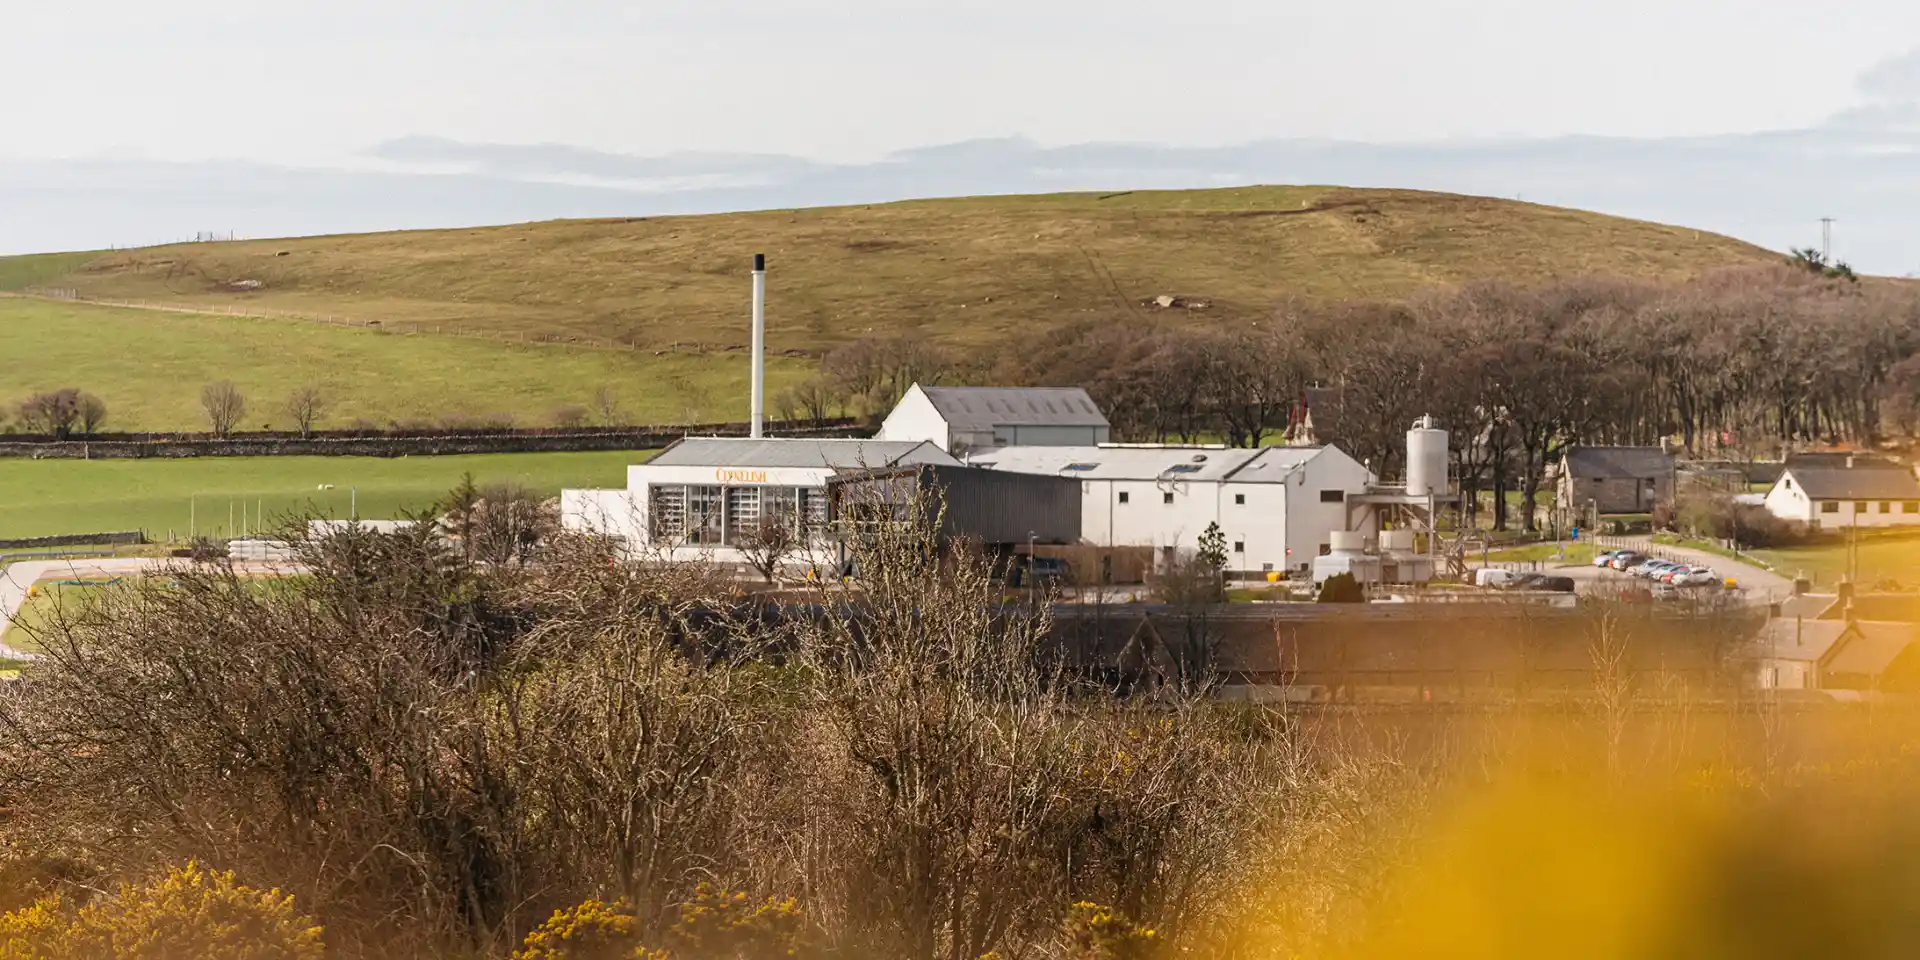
x=93 y=413
x=54 y=413
x=570 y=417
x=769 y=542
x=606 y=402
x=224 y=406
x=305 y=406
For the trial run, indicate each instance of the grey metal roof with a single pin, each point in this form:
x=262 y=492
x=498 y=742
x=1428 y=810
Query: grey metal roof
x=983 y=408
x=798 y=452
x=1870 y=478
x=1242 y=465
x=1619 y=463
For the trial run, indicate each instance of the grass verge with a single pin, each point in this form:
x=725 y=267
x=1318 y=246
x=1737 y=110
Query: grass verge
x=209 y=496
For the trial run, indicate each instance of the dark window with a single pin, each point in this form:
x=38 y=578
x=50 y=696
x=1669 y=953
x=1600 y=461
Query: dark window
x=1829 y=506
x=1859 y=508
x=1911 y=506
x=1240 y=499
x=1886 y=507
x=1787 y=482
x=1123 y=496
x=1325 y=549
x=1333 y=496
x=1184 y=468
x=1166 y=498
x=1239 y=546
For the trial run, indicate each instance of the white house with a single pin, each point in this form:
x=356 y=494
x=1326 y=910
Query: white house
x=1277 y=506
x=959 y=419
x=694 y=499
x=1846 y=490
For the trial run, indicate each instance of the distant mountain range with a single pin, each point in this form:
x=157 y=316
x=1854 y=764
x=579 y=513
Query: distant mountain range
x=1862 y=167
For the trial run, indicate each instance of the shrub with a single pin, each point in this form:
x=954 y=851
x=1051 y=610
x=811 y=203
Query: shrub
x=1342 y=588
x=594 y=930
x=1095 y=932
x=191 y=912
x=717 y=924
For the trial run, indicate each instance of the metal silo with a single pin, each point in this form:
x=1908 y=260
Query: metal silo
x=1427 y=460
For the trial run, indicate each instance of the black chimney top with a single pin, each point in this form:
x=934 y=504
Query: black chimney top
x=759 y=262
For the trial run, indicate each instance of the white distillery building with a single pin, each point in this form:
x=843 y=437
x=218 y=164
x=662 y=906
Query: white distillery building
x=1846 y=490
x=960 y=419
x=694 y=499
x=1277 y=506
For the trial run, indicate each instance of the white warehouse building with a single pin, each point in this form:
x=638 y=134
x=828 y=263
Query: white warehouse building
x=960 y=419
x=694 y=499
x=1277 y=506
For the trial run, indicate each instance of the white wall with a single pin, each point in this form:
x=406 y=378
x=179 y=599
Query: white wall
x=1789 y=501
x=614 y=513
x=1893 y=515
x=914 y=419
x=1310 y=523
x=1276 y=516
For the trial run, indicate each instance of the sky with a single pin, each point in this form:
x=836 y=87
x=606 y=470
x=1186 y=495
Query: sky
x=319 y=82
x=135 y=122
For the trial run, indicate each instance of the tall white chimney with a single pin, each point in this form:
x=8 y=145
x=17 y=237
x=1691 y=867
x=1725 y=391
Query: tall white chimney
x=759 y=344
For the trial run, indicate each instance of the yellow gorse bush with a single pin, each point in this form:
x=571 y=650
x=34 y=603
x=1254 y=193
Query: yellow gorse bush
x=191 y=912
x=1096 y=932
x=717 y=924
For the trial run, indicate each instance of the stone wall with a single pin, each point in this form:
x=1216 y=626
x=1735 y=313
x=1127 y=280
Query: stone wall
x=394 y=444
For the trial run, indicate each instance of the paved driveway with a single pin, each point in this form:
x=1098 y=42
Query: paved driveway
x=18 y=579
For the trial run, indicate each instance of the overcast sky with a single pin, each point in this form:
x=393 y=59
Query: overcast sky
x=319 y=83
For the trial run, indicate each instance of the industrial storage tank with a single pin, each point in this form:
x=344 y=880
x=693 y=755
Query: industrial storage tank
x=1427 y=464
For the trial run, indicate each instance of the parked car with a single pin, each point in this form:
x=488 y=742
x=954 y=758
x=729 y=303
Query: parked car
x=1605 y=560
x=1627 y=559
x=1042 y=572
x=1493 y=577
x=1652 y=569
x=1702 y=577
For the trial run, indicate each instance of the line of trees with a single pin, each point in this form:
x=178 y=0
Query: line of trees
x=1741 y=364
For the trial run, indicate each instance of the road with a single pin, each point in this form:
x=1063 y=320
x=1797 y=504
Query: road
x=18 y=579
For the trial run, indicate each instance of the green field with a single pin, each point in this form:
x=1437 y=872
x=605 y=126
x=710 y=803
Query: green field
x=1880 y=558
x=149 y=366
x=162 y=497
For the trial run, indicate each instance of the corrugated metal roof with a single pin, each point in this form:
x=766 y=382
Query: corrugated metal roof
x=983 y=408
x=1619 y=463
x=779 y=452
x=1261 y=465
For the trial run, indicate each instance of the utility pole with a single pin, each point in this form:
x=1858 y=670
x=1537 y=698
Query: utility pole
x=1826 y=240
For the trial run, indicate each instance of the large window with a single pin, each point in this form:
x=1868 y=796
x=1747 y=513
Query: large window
x=1829 y=506
x=743 y=512
x=1911 y=506
x=668 y=513
x=705 y=521
x=707 y=516
x=813 y=508
x=1333 y=496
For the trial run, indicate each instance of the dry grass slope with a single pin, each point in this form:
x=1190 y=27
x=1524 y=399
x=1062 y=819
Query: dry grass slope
x=961 y=271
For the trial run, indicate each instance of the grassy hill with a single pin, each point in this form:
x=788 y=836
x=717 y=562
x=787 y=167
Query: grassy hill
x=960 y=271
x=149 y=365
